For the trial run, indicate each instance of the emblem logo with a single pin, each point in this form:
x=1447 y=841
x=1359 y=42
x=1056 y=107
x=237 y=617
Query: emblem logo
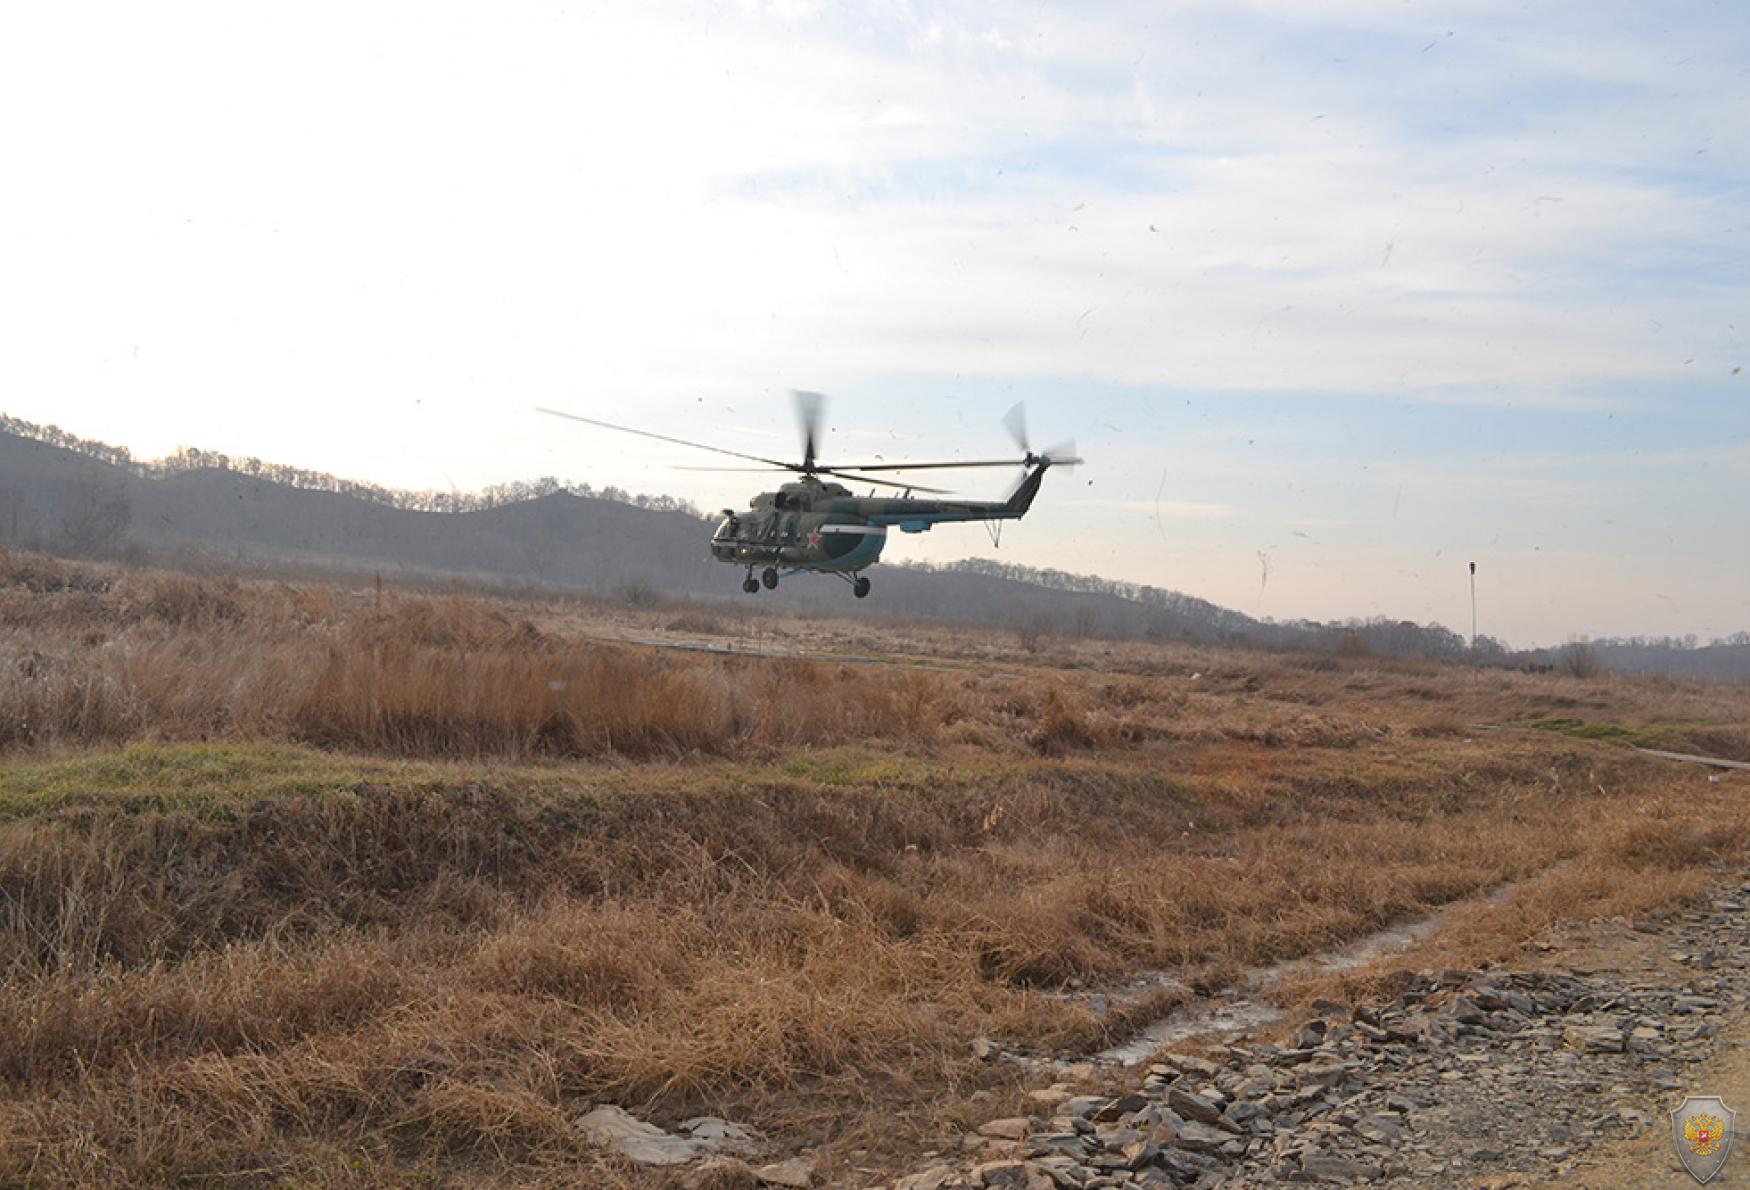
x=1702 y=1129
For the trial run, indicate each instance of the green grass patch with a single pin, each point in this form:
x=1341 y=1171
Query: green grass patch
x=215 y=779
x=1692 y=735
x=1581 y=729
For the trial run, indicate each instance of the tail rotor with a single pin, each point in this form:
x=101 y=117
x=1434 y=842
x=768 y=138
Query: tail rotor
x=1061 y=455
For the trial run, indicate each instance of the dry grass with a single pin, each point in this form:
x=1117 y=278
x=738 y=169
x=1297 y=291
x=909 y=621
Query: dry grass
x=172 y=658
x=298 y=886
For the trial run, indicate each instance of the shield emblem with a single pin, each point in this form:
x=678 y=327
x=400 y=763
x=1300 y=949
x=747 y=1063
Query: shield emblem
x=1702 y=1129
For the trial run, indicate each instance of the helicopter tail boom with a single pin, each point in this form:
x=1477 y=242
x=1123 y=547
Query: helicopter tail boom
x=1021 y=499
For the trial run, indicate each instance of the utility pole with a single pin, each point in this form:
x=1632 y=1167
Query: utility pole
x=1473 y=607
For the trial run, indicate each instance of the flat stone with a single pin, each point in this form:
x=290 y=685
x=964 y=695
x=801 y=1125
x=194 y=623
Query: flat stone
x=1002 y=1173
x=1383 y=1128
x=1064 y=1173
x=1010 y=1128
x=1140 y=1153
x=1201 y=1138
x=1245 y=1111
x=1594 y=1039
x=1185 y=1167
x=796 y=1173
x=933 y=1178
x=1254 y=1088
x=1190 y=1064
x=1322 y=1167
x=1122 y=1106
x=1468 y=1012
x=1044 y=1144
x=1193 y=1107
x=1322 y=1074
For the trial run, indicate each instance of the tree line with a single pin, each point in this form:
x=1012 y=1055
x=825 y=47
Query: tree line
x=188 y=458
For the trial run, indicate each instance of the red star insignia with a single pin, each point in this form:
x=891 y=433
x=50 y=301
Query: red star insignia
x=814 y=537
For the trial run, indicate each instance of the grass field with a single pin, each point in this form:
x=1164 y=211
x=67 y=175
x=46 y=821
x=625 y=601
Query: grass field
x=306 y=885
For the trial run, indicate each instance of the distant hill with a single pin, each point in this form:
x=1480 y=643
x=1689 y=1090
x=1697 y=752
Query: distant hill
x=61 y=499
x=56 y=498
x=72 y=496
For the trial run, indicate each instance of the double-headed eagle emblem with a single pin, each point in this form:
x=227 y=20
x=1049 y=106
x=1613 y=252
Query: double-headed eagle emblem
x=1702 y=1130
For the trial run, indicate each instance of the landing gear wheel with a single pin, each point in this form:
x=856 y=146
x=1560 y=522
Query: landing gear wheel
x=769 y=576
x=751 y=585
x=860 y=588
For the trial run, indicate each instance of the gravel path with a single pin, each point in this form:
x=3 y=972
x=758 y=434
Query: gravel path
x=1560 y=1070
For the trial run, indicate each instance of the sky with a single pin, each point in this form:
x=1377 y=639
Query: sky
x=1334 y=298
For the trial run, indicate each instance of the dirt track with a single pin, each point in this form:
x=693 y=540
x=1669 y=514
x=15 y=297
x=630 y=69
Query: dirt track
x=1558 y=1068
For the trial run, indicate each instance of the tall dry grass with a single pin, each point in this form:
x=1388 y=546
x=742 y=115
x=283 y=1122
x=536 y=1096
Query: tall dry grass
x=90 y=657
x=173 y=658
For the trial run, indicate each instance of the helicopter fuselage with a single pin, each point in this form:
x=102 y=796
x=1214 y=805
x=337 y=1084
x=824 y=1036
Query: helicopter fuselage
x=814 y=524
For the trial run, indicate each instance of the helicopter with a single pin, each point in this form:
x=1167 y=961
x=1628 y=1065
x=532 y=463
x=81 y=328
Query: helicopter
x=814 y=525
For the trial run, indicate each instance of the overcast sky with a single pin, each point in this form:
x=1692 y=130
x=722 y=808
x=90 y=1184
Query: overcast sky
x=1335 y=296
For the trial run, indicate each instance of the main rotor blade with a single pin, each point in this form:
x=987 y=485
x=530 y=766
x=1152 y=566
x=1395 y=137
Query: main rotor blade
x=808 y=407
x=886 y=483
x=608 y=425
x=933 y=466
x=736 y=470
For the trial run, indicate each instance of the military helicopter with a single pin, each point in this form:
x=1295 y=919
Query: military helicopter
x=813 y=525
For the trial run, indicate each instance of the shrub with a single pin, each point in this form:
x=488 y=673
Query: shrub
x=1579 y=659
x=1351 y=643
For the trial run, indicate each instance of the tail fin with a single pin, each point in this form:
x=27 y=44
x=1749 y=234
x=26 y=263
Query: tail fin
x=1021 y=499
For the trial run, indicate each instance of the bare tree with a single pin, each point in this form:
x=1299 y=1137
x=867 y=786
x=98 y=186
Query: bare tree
x=1580 y=660
x=97 y=517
